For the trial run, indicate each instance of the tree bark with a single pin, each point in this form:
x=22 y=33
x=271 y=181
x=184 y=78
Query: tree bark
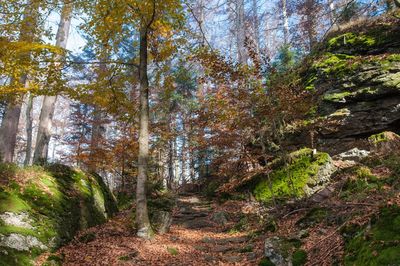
x=285 y=22
x=171 y=177
x=240 y=32
x=144 y=229
x=9 y=125
x=98 y=131
x=29 y=129
x=256 y=24
x=49 y=101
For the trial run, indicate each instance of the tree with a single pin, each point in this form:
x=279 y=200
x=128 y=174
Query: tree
x=285 y=19
x=49 y=101
x=154 y=21
x=9 y=125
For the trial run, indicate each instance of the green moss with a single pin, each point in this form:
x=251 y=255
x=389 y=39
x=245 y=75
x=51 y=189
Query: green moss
x=13 y=257
x=271 y=225
x=10 y=202
x=351 y=39
x=377 y=138
x=377 y=244
x=7 y=172
x=310 y=82
x=313 y=217
x=289 y=181
x=393 y=58
x=299 y=258
x=58 y=200
x=172 y=251
x=361 y=184
x=8 y=229
x=240 y=226
x=391 y=161
x=54 y=260
x=86 y=238
x=265 y=262
x=337 y=97
x=336 y=64
x=247 y=248
x=125 y=200
x=359 y=40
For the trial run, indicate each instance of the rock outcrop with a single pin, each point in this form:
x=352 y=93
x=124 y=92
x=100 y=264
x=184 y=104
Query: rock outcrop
x=357 y=76
x=43 y=208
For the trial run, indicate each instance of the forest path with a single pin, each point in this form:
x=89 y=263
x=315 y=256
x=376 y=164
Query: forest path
x=201 y=234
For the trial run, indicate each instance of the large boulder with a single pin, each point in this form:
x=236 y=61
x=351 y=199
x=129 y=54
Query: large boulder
x=385 y=143
x=304 y=174
x=43 y=208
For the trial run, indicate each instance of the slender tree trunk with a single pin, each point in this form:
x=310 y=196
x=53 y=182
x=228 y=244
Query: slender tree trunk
x=240 y=32
x=183 y=157
x=285 y=22
x=29 y=129
x=142 y=216
x=311 y=11
x=49 y=101
x=9 y=124
x=170 y=164
x=192 y=164
x=256 y=24
x=98 y=131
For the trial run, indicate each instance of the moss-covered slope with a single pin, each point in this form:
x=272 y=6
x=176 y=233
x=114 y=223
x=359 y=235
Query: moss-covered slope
x=42 y=208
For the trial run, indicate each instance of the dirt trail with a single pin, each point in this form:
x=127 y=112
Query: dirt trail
x=199 y=236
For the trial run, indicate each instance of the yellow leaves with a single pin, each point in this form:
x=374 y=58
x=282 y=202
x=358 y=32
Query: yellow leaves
x=9 y=90
x=21 y=58
x=22 y=47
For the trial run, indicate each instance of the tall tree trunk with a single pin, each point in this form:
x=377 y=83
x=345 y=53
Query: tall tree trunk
x=311 y=11
x=182 y=155
x=240 y=32
x=171 y=177
x=256 y=24
x=49 y=101
x=29 y=129
x=142 y=216
x=285 y=22
x=192 y=171
x=98 y=131
x=9 y=131
x=9 y=125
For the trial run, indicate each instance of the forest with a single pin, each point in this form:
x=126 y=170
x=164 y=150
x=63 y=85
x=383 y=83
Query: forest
x=200 y=132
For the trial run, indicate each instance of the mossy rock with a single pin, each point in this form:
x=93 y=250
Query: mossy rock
x=313 y=217
x=284 y=251
x=379 y=36
x=385 y=143
x=57 y=201
x=302 y=176
x=377 y=244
